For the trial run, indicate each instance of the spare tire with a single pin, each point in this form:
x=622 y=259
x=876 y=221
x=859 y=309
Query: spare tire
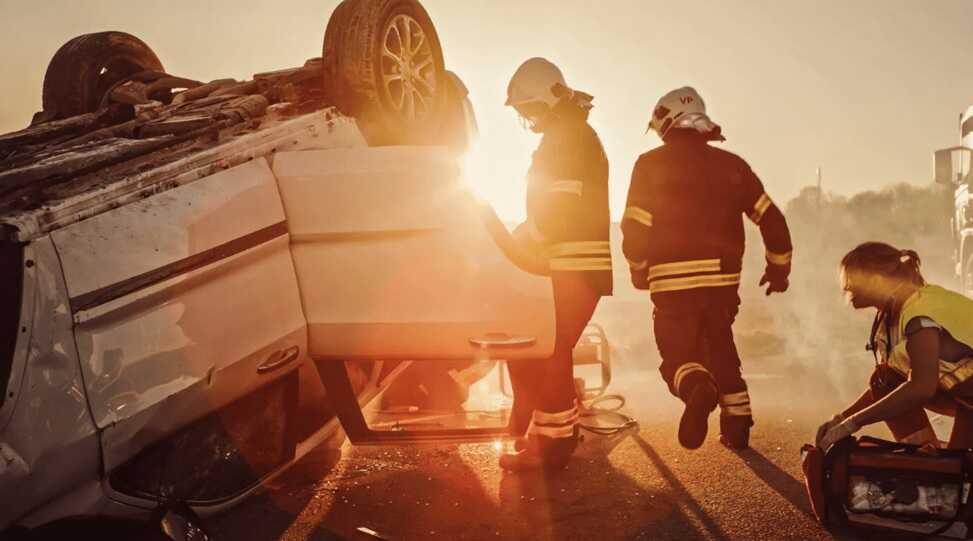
x=85 y=68
x=384 y=66
x=333 y=35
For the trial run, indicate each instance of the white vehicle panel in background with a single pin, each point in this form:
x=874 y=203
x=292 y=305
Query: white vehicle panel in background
x=177 y=300
x=394 y=260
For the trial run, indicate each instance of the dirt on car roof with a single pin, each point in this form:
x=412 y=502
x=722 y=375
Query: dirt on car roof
x=143 y=125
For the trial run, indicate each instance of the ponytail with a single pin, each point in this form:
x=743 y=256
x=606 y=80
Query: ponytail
x=873 y=258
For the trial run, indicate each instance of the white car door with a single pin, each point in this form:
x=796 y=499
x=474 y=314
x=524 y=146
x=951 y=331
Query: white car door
x=183 y=303
x=396 y=261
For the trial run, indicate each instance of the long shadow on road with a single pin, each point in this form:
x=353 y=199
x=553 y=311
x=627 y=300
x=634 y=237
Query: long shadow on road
x=682 y=495
x=787 y=487
x=776 y=478
x=458 y=493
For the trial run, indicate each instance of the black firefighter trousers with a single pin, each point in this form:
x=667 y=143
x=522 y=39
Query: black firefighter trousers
x=548 y=384
x=696 y=337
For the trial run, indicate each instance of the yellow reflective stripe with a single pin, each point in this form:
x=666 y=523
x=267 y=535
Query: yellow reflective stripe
x=638 y=265
x=565 y=431
x=735 y=411
x=566 y=186
x=760 y=207
x=581 y=264
x=694 y=282
x=779 y=259
x=641 y=216
x=685 y=370
x=954 y=378
x=684 y=267
x=566 y=416
x=598 y=247
x=735 y=399
x=947 y=380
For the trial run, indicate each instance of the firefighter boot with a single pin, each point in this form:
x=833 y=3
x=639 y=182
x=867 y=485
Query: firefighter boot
x=520 y=443
x=735 y=420
x=551 y=440
x=699 y=393
x=735 y=431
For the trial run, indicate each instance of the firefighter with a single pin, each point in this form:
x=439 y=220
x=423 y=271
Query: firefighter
x=683 y=238
x=922 y=339
x=567 y=214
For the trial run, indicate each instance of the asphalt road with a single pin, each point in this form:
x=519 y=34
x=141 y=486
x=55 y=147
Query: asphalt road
x=642 y=487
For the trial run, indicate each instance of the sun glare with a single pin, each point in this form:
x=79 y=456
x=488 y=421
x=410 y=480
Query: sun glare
x=495 y=169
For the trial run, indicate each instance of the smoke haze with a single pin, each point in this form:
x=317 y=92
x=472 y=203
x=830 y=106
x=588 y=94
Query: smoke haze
x=808 y=332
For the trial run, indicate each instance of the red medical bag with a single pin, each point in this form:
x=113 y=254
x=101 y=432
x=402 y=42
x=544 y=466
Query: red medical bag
x=886 y=486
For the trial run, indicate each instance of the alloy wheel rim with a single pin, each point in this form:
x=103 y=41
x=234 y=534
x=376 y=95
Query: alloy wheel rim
x=408 y=68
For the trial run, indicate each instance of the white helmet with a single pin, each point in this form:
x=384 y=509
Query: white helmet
x=681 y=108
x=535 y=80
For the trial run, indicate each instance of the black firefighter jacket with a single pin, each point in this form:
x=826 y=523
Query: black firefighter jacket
x=567 y=197
x=683 y=223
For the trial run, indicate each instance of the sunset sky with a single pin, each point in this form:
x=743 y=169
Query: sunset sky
x=865 y=89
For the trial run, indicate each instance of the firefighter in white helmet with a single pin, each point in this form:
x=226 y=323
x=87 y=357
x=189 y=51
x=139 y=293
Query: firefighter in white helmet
x=683 y=238
x=567 y=214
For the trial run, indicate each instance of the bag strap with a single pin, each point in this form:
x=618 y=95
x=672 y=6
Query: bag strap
x=872 y=344
x=912 y=448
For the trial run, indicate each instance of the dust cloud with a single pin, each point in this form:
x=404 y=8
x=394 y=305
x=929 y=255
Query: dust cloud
x=809 y=332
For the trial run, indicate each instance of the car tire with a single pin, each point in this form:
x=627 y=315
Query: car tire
x=384 y=66
x=88 y=66
x=331 y=56
x=457 y=122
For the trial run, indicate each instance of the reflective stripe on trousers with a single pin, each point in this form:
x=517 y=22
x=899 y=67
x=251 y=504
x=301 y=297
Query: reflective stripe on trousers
x=580 y=256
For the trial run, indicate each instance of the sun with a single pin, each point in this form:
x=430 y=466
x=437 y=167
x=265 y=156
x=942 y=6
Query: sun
x=495 y=169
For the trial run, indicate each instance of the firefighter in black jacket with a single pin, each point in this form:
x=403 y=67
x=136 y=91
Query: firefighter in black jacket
x=684 y=240
x=567 y=215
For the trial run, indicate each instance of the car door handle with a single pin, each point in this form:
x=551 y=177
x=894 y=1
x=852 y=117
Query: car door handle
x=278 y=359
x=503 y=340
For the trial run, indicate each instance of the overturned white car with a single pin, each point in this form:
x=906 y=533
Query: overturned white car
x=201 y=280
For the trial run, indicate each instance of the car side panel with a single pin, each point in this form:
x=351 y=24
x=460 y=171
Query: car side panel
x=48 y=444
x=394 y=261
x=178 y=301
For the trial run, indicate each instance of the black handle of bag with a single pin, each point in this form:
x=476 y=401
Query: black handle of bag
x=889 y=445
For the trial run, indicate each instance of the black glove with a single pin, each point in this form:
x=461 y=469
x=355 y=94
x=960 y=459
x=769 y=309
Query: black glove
x=776 y=278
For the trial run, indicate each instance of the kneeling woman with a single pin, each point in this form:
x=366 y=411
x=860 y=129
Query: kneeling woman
x=922 y=339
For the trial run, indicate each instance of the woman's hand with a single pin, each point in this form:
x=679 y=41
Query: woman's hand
x=828 y=425
x=838 y=432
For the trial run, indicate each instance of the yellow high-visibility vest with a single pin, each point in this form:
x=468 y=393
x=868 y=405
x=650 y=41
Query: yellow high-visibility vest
x=954 y=313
